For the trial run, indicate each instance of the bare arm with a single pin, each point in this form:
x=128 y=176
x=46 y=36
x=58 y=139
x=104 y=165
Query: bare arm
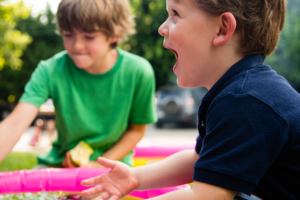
x=177 y=170
x=117 y=152
x=126 y=143
x=14 y=126
x=199 y=191
x=174 y=170
x=122 y=179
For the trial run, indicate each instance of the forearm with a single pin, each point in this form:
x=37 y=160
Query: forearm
x=199 y=191
x=175 y=170
x=126 y=143
x=8 y=138
x=180 y=195
x=14 y=125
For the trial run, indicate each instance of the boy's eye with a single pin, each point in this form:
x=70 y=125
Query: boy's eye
x=175 y=13
x=89 y=37
x=67 y=35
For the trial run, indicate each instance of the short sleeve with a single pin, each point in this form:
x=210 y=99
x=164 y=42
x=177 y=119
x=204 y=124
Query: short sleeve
x=37 y=88
x=243 y=138
x=143 y=106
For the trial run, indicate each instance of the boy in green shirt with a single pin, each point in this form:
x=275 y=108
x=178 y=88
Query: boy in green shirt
x=102 y=95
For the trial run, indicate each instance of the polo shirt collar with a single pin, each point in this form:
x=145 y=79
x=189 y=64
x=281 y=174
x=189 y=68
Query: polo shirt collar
x=242 y=65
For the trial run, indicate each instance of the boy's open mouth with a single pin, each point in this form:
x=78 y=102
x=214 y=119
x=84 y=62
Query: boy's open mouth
x=176 y=55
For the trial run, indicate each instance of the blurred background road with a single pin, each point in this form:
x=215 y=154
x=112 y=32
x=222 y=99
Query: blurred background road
x=170 y=133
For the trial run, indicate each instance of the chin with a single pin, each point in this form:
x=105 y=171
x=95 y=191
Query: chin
x=187 y=84
x=81 y=65
x=181 y=83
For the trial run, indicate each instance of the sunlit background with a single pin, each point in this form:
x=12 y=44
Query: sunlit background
x=39 y=6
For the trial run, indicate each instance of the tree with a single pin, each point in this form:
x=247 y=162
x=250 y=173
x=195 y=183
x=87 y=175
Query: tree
x=149 y=15
x=45 y=43
x=12 y=41
x=286 y=60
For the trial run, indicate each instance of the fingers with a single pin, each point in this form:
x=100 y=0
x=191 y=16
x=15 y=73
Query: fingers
x=107 y=197
x=69 y=161
x=103 y=196
x=96 y=191
x=114 y=198
x=106 y=163
x=91 y=181
x=64 y=164
x=93 y=191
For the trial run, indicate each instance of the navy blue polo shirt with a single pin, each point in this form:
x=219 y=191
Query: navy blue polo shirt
x=249 y=133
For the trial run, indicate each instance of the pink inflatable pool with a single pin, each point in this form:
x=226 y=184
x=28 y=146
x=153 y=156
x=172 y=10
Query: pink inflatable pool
x=160 y=149
x=66 y=180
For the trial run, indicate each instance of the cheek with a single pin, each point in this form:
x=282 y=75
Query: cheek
x=67 y=44
x=96 y=48
x=175 y=36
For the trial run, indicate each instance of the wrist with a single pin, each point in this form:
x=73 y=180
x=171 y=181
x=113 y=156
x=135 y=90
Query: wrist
x=138 y=175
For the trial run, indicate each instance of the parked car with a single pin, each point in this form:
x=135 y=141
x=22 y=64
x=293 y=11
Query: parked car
x=4 y=111
x=178 y=105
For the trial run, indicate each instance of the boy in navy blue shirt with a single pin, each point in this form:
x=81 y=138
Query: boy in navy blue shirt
x=249 y=121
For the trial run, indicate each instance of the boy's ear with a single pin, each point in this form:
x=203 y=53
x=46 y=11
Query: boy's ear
x=227 y=26
x=113 y=39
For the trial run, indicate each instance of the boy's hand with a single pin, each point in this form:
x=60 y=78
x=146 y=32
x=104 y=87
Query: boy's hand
x=67 y=162
x=115 y=184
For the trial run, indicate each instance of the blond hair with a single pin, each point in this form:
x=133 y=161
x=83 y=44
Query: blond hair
x=112 y=17
x=259 y=21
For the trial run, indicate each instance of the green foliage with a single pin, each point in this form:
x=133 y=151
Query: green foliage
x=286 y=59
x=18 y=161
x=12 y=41
x=45 y=44
x=149 y=15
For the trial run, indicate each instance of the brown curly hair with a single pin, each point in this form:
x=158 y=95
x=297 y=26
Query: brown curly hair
x=112 y=17
x=259 y=21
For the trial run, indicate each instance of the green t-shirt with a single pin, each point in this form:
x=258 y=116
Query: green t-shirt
x=93 y=108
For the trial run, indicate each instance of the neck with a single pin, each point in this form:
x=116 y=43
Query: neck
x=224 y=59
x=105 y=63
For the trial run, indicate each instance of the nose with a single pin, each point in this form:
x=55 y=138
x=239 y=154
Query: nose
x=77 y=44
x=163 y=29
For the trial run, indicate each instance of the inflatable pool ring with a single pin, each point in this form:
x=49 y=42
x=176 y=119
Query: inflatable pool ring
x=146 y=152
x=160 y=149
x=66 y=180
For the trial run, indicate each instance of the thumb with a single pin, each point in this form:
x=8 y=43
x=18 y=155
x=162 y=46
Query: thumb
x=107 y=163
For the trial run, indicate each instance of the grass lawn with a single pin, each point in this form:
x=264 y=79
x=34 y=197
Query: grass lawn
x=18 y=161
